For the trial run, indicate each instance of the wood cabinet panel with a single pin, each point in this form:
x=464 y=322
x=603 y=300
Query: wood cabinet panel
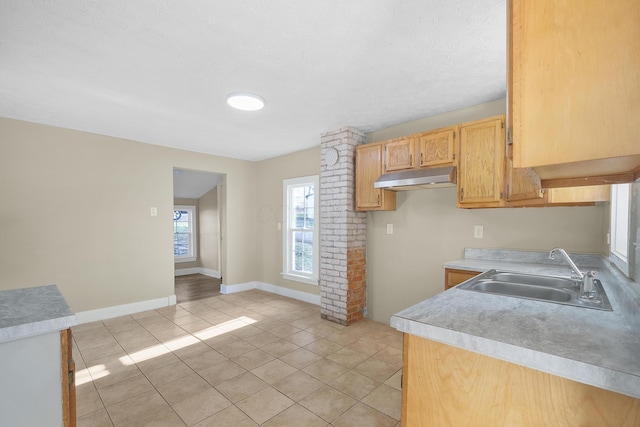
x=368 y=169
x=437 y=148
x=453 y=277
x=572 y=195
x=522 y=183
x=448 y=386
x=398 y=154
x=574 y=87
x=68 y=373
x=481 y=163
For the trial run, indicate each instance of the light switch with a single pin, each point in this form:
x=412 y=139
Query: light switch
x=279 y=226
x=478 y=232
x=154 y=211
x=389 y=228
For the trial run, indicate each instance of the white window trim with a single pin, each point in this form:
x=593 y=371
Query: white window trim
x=193 y=244
x=287 y=273
x=615 y=255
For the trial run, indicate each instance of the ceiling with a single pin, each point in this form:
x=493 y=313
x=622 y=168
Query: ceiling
x=158 y=71
x=190 y=184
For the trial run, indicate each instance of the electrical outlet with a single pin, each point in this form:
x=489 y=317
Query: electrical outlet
x=389 y=228
x=478 y=232
x=153 y=211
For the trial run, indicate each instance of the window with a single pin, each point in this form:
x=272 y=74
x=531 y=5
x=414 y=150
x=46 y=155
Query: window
x=301 y=241
x=619 y=251
x=184 y=233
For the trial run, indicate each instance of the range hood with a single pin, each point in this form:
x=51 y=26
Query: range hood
x=416 y=179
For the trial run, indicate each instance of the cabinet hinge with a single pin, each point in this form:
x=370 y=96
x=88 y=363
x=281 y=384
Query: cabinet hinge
x=421 y=162
x=509 y=136
x=501 y=195
x=454 y=134
x=462 y=194
x=411 y=159
x=454 y=156
x=501 y=125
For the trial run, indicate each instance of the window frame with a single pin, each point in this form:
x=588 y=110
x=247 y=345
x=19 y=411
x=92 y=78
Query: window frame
x=193 y=236
x=619 y=226
x=288 y=271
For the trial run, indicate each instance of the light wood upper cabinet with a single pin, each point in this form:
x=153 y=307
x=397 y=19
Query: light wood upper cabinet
x=522 y=184
x=571 y=196
x=481 y=163
x=368 y=169
x=574 y=89
x=437 y=148
x=398 y=154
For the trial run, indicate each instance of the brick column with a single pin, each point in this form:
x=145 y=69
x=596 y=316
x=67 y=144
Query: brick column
x=343 y=232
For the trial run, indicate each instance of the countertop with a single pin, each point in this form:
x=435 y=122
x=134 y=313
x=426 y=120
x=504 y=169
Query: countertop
x=595 y=347
x=33 y=311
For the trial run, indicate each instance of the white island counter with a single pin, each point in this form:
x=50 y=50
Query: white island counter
x=31 y=349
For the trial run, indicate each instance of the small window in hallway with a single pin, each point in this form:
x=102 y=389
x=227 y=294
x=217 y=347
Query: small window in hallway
x=184 y=233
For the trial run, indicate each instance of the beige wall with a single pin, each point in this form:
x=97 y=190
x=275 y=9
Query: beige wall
x=405 y=267
x=75 y=212
x=270 y=204
x=209 y=232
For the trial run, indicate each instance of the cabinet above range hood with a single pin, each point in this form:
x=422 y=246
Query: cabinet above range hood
x=416 y=179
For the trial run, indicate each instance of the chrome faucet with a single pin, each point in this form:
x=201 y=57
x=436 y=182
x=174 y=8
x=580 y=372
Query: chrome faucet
x=587 y=288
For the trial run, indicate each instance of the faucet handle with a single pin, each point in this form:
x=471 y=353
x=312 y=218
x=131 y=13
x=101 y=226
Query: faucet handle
x=588 y=287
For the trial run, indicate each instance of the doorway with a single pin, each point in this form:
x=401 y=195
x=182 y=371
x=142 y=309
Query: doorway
x=199 y=206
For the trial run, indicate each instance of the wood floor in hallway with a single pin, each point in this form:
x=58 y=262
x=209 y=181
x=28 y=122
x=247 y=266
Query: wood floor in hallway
x=196 y=286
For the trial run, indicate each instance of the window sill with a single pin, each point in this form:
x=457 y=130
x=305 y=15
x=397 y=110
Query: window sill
x=620 y=263
x=303 y=279
x=185 y=259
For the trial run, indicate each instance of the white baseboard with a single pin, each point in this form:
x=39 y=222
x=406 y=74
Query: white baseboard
x=137 y=307
x=125 y=309
x=274 y=289
x=197 y=270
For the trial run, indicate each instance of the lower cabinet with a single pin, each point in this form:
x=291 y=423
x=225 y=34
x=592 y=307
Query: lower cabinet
x=453 y=277
x=447 y=386
x=37 y=386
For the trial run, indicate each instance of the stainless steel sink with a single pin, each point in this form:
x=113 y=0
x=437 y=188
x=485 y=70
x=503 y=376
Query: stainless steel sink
x=558 y=290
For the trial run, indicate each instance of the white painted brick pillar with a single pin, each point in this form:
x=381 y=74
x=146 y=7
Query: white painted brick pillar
x=343 y=232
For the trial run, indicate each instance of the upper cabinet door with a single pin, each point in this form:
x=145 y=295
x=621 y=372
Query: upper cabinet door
x=437 y=147
x=368 y=169
x=574 y=86
x=481 y=163
x=398 y=154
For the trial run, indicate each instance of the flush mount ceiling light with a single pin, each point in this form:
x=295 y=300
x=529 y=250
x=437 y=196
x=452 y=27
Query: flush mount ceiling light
x=245 y=101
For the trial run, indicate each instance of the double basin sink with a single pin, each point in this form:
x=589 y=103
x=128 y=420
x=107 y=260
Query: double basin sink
x=559 y=290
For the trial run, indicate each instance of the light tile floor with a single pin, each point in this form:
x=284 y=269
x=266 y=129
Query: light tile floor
x=245 y=359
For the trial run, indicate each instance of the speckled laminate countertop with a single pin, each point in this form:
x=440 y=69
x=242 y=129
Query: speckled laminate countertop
x=600 y=348
x=33 y=311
